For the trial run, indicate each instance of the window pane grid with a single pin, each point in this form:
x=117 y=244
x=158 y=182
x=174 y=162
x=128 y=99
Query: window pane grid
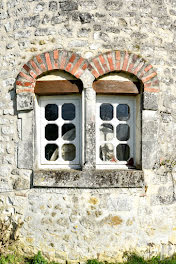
x=63 y=146
x=117 y=146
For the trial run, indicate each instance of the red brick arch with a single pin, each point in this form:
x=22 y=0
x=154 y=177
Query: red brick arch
x=128 y=62
x=53 y=60
x=76 y=65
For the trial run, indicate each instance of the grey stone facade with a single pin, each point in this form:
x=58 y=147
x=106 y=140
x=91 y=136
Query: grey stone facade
x=87 y=221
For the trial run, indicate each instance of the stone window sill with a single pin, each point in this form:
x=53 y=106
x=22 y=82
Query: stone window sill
x=88 y=179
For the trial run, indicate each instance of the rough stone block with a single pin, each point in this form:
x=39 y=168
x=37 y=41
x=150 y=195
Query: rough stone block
x=24 y=101
x=164 y=196
x=149 y=154
x=149 y=130
x=150 y=101
x=68 y=6
x=21 y=183
x=90 y=178
x=25 y=155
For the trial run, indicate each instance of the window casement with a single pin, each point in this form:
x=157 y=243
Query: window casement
x=115 y=131
x=58 y=121
x=118 y=123
x=60 y=128
x=59 y=133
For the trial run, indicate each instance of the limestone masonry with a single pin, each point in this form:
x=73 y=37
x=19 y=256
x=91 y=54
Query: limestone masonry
x=70 y=214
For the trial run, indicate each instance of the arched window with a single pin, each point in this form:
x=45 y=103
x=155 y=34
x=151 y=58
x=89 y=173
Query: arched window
x=93 y=118
x=118 y=121
x=58 y=122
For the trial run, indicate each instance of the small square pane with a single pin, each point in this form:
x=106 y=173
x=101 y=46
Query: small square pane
x=123 y=152
x=123 y=112
x=106 y=112
x=107 y=152
x=123 y=132
x=51 y=132
x=68 y=152
x=68 y=111
x=51 y=112
x=106 y=132
x=68 y=132
x=51 y=152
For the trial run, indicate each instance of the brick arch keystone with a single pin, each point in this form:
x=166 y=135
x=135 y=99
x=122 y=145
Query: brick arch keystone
x=53 y=60
x=128 y=62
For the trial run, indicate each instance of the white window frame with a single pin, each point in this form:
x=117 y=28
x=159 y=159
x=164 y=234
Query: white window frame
x=41 y=102
x=115 y=100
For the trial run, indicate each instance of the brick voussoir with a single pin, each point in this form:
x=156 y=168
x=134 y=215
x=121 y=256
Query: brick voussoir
x=97 y=66
x=63 y=56
x=77 y=65
x=152 y=90
x=148 y=67
x=125 y=61
x=25 y=90
x=27 y=77
x=70 y=62
x=85 y=66
x=41 y=63
x=29 y=71
x=117 y=60
x=26 y=67
x=149 y=77
x=95 y=73
x=48 y=61
x=103 y=63
x=35 y=67
x=56 y=58
x=137 y=69
x=25 y=84
x=79 y=73
x=110 y=61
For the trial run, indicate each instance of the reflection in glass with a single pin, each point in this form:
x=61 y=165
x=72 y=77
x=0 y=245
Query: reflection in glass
x=68 y=132
x=123 y=152
x=68 y=111
x=68 y=152
x=51 y=112
x=106 y=132
x=51 y=152
x=122 y=132
x=106 y=112
x=51 y=132
x=123 y=112
x=107 y=152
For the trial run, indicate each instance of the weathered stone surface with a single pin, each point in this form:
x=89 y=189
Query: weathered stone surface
x=24 y=101
x=150 y=101
x=95 y=220
x=89 y=179
x=68 y=5
x=25 y=155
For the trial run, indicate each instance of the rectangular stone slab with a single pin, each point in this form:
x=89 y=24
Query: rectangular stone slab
x=88 y=179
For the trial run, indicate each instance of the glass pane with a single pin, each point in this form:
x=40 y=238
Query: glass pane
x=107 y=152
x=123 y=132
x=123 y=112
x=106 y=132
x=51 y=132
x=68 y=132
x=106 y=112
x=68 y=111
x=123 y=152
x=51 y=152
x=68 y=152
x=51 y=112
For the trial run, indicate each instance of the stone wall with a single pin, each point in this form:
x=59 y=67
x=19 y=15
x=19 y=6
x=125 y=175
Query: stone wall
x=76 y=224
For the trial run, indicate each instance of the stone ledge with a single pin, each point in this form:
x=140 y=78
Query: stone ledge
x=88 y=179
